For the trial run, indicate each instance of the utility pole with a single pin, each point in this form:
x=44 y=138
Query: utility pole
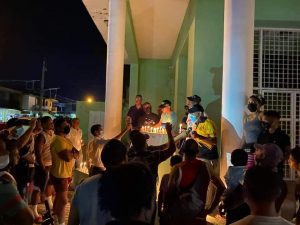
x=44 y=70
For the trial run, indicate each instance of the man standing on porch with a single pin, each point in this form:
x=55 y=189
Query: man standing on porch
x=136 y=112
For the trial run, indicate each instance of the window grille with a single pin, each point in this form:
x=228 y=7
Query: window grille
x=276 y=75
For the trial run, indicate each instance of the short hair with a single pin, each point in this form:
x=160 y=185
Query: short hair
x=262 y=185
x=58 y=122
x=138 y=96
x=239 y=157
x=94 y=128
x=139 y=141
x=295 y=153
x=190 y=148
x=260 y=99
x=113 y=153
x=175 y=159
x=122 y=195
x=75 y=119
x=272 y=114
x=45 y=119
x=132 y=133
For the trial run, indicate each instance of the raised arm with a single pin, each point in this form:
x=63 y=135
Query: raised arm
x=22 y=141
x=164 y=154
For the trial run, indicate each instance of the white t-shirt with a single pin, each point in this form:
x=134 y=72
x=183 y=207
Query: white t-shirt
x=86 y=202
x=262 y=220
x=94 y=151
x=75 y=136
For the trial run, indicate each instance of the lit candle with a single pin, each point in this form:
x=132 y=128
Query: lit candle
x=180 y=128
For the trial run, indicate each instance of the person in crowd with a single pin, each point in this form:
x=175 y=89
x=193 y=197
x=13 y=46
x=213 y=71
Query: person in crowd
x=185 y=116
x=149 y=118
x=136 y=112
x=43 y=164
x=294 y=163
x=252 y=126
x=273 y=134
x=128 y=201
x=262 y=188
x=176 y=159
x=195 y=111
x=95 y=147
x=167 y=116
x=269 y=156
x=75 y=136
x=206 y=136
x=235 y=174
x=191 y=179
x=152 y=155
x=84 y=208
x=232 y=198
x=16 y=131
x=13 y=210
x=23 y=172
x=63 y=159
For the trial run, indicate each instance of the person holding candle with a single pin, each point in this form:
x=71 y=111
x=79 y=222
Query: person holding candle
x=194 y=112
x=167 y=116
x=149 y=118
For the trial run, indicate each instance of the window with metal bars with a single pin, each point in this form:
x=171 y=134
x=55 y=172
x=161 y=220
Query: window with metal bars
x=276 y=75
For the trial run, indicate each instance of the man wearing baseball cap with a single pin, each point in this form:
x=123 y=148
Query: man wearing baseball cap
x=167 y=116
x=195 y=110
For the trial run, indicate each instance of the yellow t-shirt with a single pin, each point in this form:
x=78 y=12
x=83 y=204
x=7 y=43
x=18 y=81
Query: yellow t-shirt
x=61 y=168
x=207 y=129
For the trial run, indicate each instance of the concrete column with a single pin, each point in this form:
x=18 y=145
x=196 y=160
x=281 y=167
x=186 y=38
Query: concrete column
x=237 y=71
x=114 y=67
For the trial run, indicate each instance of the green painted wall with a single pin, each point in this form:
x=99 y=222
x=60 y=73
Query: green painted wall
x=277 y=10
x=181 y=79
x=191 y=60
x=82 y=112
x=155 y=81
x=134 y=83
x=208 y=56
x=202 y=32
x=130 y=40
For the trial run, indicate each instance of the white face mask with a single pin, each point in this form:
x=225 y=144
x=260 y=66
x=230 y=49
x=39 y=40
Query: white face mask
x=4 y=161
x=101 y=135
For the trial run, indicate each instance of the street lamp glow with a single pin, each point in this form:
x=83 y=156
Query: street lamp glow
x=89 y=100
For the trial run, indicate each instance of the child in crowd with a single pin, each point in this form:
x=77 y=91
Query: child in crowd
x=232 y=199
x=235 y=174
x=176 y=159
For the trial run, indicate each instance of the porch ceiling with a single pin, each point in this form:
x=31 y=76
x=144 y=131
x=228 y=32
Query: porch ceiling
x=156 y=23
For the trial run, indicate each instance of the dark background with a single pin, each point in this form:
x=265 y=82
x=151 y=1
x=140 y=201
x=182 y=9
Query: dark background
x=63 y=33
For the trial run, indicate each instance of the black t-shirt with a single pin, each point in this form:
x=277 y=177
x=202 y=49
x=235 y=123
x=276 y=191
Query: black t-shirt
x=148 y=119
x=279 y=137
x=135 y=115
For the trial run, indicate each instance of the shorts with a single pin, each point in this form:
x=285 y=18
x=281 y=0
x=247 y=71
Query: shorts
x=41 y=178
x=60 y=184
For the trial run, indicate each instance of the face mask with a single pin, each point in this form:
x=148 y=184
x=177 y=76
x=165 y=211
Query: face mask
x=265 y=125
x=252 y=107
x=67 y=130
x=4 y=161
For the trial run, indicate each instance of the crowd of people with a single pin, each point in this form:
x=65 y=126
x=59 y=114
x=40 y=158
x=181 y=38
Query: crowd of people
x=38 y=158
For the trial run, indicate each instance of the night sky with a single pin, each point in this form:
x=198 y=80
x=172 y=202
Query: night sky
x=62 y=32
